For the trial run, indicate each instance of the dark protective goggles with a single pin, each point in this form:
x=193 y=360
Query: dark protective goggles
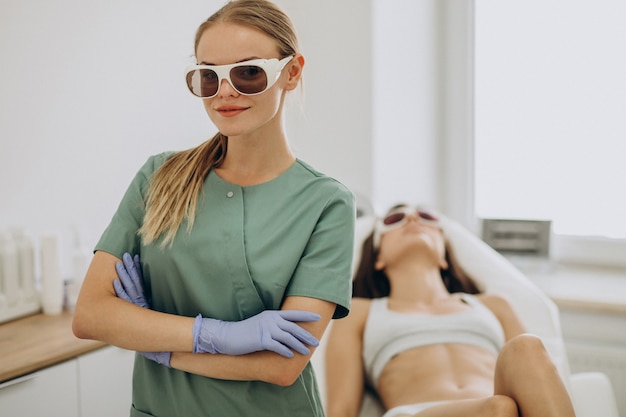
x=398 y=217
x=247 y=78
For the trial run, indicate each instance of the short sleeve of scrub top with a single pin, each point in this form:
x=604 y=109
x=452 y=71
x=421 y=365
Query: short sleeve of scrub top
x=248 y=249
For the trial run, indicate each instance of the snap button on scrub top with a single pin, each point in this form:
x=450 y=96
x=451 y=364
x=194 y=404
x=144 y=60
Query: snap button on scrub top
x=230 y=194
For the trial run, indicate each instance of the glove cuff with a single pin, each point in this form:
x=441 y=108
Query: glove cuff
x=202 y=340
x=195 y=332
x=164 y=358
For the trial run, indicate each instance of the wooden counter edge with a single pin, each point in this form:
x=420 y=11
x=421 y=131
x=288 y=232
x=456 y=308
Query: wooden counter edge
x=22 y=353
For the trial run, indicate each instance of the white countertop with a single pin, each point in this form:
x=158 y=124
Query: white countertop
x=578 y=286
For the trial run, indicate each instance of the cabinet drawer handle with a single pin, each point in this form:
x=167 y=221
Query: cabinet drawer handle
x=19 y=380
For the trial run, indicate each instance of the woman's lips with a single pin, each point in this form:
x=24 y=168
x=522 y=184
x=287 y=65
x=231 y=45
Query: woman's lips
x=230 y=111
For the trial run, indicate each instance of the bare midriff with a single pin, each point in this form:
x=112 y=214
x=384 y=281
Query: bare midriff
x=435 y=373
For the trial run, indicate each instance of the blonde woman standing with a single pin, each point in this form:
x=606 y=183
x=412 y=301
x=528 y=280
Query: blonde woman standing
x=245 y=249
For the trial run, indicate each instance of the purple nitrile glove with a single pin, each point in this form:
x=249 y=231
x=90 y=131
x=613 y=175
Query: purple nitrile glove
x=272 y=330
x=131 y=286
x=131 y=289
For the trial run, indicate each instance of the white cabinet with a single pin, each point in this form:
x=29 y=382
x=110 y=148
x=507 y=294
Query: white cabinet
x=596 y=341
x=49 y=392
x=97 y=384
x=105 y=382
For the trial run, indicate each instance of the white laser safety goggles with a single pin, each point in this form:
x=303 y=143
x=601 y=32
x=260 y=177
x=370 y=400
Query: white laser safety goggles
x=248 y=77
x=398 y=217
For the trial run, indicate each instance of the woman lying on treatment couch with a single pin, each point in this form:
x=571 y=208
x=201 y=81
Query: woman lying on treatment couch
x=421 y=336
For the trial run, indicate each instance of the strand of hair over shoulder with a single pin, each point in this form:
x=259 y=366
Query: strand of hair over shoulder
x=175 y=189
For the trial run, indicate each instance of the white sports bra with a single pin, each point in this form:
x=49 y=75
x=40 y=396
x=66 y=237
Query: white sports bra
x=388 y=333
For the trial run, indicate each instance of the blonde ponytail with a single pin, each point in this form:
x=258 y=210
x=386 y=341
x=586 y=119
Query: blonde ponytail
x=175 y=188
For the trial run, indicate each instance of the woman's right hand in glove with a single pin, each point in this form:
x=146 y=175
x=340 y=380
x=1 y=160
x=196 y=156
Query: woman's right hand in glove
x=273 y=330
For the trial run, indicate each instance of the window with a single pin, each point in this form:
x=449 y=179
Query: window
x=550 y=114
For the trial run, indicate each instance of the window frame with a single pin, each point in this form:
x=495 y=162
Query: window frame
x=458 y=140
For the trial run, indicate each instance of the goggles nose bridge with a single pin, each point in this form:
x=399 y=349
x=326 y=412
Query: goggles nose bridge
x=221 y=80
x=411 y=215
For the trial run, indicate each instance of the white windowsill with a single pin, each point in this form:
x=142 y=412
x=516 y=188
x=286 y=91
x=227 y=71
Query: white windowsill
x=596 y=288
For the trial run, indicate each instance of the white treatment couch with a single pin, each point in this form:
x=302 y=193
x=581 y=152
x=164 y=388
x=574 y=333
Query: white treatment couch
x=591 y=392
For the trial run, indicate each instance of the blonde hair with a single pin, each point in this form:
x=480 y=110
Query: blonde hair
x=176 y=186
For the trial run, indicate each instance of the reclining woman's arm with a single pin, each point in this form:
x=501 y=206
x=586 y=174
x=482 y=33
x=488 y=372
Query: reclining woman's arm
x=344 y=366
x=509 y=320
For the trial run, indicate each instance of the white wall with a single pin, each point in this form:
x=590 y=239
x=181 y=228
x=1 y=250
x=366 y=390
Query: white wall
x=88 y=90
x=332 y=129
x=406 y=99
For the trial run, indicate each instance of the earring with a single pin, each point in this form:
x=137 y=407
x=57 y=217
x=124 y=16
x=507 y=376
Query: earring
x=443 y=264
x=379 y=265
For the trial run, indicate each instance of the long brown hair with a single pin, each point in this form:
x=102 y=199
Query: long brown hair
x=176 y=185
x=370 y=282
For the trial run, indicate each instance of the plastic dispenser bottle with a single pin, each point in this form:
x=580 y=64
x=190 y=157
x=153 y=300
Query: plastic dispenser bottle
x=9 y=263
x=51 y=282
x=26 y=258
x=80 y=262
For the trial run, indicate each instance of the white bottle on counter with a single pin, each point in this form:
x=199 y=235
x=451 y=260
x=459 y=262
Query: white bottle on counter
x=10 y=270
x=80 y=262
x=26 y=259
x=26 y=255
x=51 y=281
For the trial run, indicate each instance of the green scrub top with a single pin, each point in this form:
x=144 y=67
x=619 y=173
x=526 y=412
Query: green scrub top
x=249 y=248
